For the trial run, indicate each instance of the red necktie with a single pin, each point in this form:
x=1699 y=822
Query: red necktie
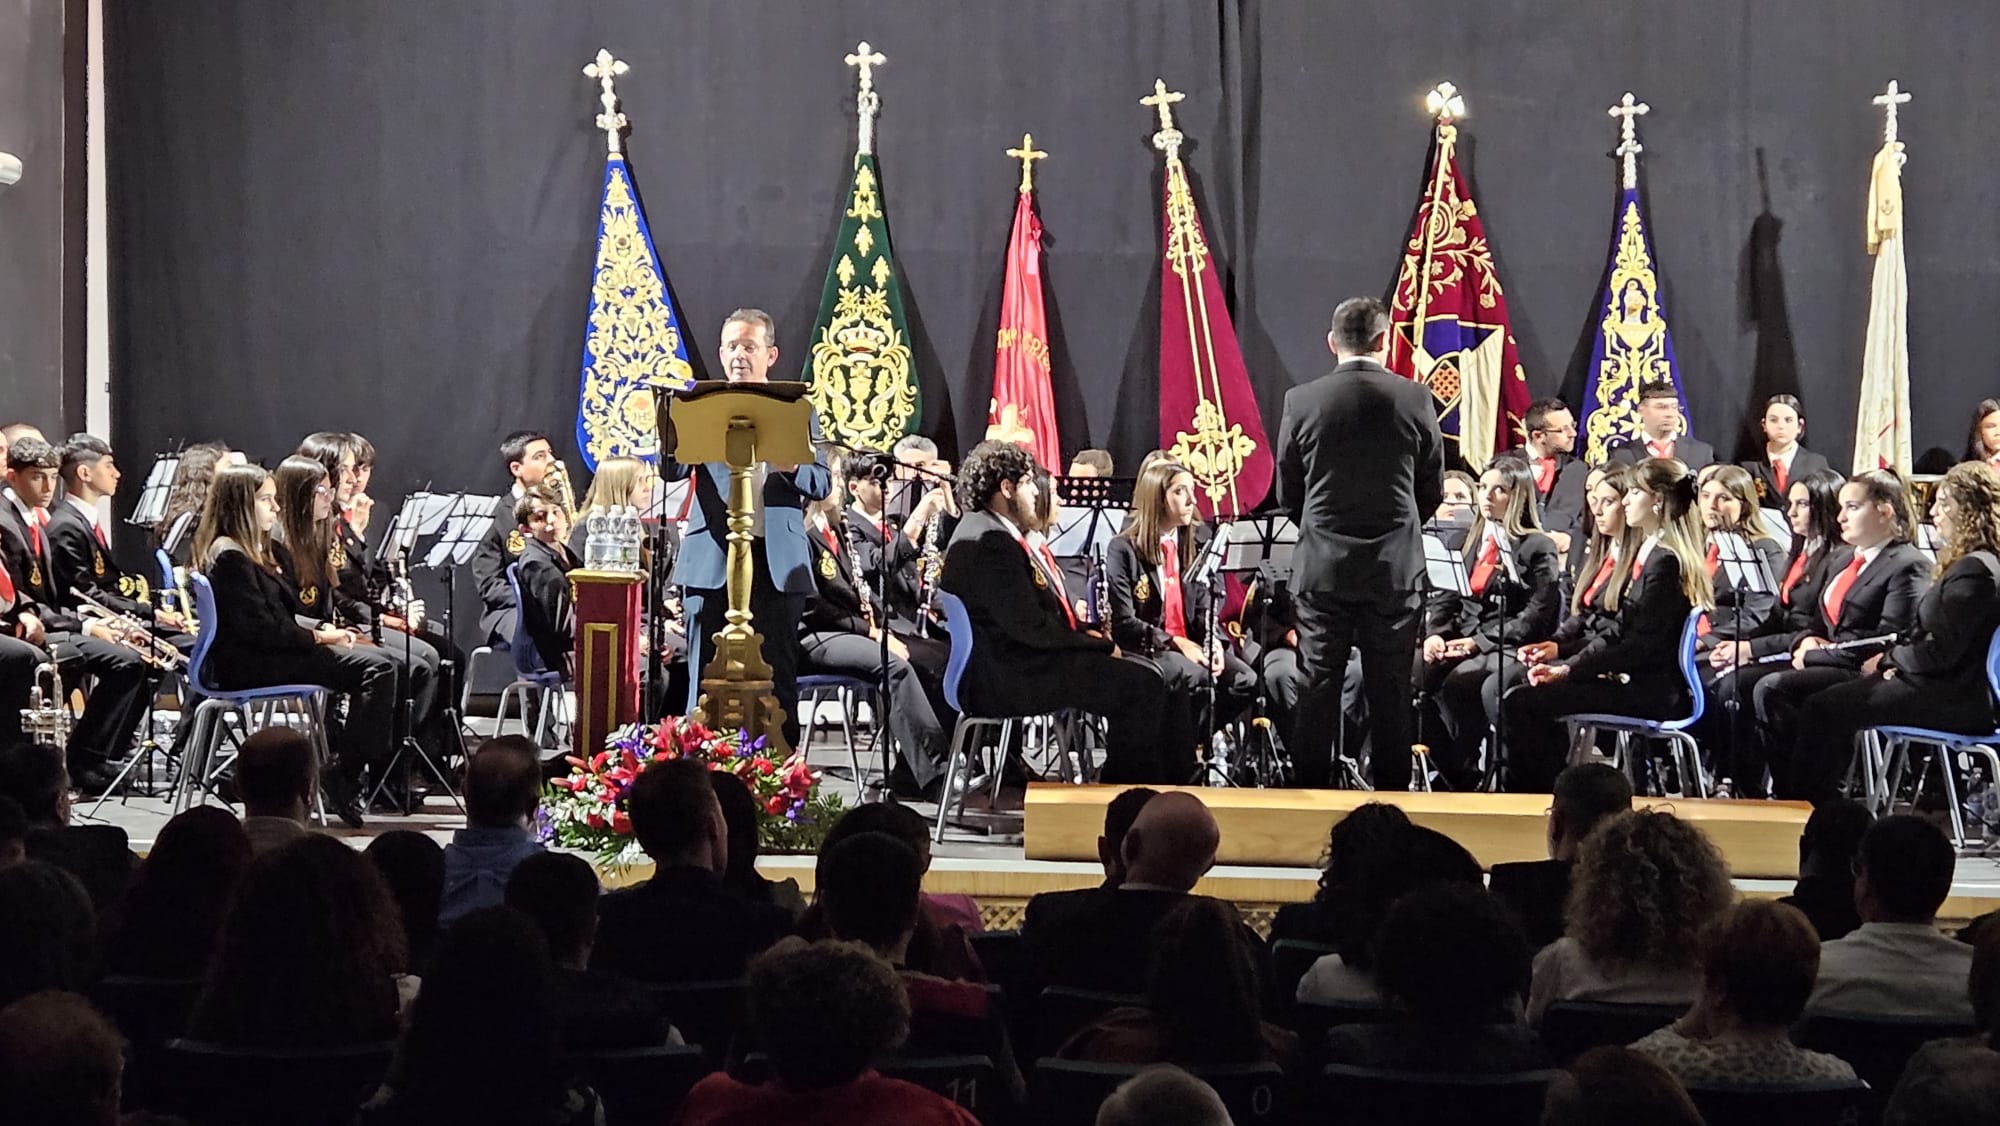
x=1173 y=612
x=1661 y=449
x=1035 y=556
x=1638 y=565
x=1482 y=571
x=832 y=543
x=1792 y=578
x=1778 y=471
x=1603 y=576
x=1545 y=474
x=1836 y=591
x=1714 y=558
x=99 y=529
x=6 y=588
x=38 y=519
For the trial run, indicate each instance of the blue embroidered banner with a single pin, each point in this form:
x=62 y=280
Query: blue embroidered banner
x=1633 y=347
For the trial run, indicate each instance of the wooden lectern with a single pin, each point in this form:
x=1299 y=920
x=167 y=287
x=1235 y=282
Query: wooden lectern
x=741 y=425
x=607 y=654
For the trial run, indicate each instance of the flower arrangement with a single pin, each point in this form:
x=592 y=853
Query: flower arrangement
x=586 y=810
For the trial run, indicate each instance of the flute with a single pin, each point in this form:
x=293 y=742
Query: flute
x=1857 y=643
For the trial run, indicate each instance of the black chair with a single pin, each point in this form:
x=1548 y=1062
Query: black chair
x=148 y=1011
x=1068 y=1092
x=1003 y=956
x=1815 y=1104
x=1312 y=1020
x=642 y=1085
x=972 y=1082
x=707 y=1013
x=1877 y=1047
x=1570 y=1028
x=229 y=1085
x=1366 y=1096
x=1061 y=1012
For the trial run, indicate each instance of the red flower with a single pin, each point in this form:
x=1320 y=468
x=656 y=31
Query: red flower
x=776 y=804
x=621 y=823
x=598 y=760
x=596 y=821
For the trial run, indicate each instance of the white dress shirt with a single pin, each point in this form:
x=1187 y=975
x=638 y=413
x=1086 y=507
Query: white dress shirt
x=1895 y=969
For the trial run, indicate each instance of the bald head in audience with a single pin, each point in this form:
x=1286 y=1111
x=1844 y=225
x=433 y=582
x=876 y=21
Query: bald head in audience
x=1947 y=1083
x=1163 y=1096
x=1172 y=843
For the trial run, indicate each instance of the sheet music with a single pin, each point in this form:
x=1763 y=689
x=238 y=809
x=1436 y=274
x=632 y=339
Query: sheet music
x=1252 y=541
x=1741 y=567
x=1444 y=567
x=1085 y=531
x=159 y=487
x=457 y=520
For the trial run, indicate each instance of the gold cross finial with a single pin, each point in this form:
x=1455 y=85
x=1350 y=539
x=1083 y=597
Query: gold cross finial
x=1629 y=110
x=1168 y=138
x=1889 y=99
x=1027 y=154
x=1444 y=103
x=604 y=68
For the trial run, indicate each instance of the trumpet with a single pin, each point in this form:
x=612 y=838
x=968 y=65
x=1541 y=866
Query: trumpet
x=557 y=479
x=132 y=633
x=46 y=719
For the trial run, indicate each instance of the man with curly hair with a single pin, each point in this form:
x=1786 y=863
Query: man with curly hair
x=1029 y=655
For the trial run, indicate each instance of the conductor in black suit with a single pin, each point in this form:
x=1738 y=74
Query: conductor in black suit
x=1660 y=426
x=1360 y=461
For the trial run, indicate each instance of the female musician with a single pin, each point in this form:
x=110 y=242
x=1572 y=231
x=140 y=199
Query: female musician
x=1873 y=594
x=1512 y=572
x=258 y=643
x=1651 y=591
x=175 y=531
x=1813 y=511
x=840 y=634
x=1734 y=533
x=1158 y=613
x=1784 y=460
x=1983 y=443
x=1937 y=679
x=618 y=482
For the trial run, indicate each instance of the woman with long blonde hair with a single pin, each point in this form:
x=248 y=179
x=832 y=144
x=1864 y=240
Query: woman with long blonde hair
x=1937 y=679
x=258 y=643
x=1635 y=672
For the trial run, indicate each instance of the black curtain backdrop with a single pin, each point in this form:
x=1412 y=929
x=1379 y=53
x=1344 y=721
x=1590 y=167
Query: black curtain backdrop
x=378 y=215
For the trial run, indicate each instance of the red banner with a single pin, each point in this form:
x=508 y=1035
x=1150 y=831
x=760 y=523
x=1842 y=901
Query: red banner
x=1023 y=410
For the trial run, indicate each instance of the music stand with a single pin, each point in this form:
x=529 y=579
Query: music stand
x=1444 y=569
x=1084 y=527
x=1740 y=568
x=159 y=487
x=1248 y=545
x=1927 y=540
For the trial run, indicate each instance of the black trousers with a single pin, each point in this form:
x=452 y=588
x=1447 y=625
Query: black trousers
x=364 y=674
x=419 y=675
x=1456 y=717
x=1730 y=730
x=916 y=710
x=1283 y=682
x=1822 y=749
x=1234 y=689
x=18 y=660
x=1538 y=745
x=117 y=702
x=1779 y=697
x=773 y=614
x=1384 y=631
x=1149 y=732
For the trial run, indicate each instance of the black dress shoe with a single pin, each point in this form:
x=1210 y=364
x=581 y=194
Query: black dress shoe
x=94 y=781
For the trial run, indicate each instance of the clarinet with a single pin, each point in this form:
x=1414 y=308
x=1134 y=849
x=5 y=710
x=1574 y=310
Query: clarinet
x=930 y=565
x=860 y=578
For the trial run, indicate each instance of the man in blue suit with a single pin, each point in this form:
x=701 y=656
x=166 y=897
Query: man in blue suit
x=781 y=564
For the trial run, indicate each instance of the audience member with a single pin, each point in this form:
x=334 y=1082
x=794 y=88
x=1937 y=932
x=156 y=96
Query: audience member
x=13 y=832
x=1897 y=963
x=61 y=1062
x=1983 y=987
x=683 y=924
x=596 y=1008
x=1644 y=887
x=1409 y=859
x=1202 y=995
x=99 y=856
x=739 y=814
x=483 y=1043
x=503 y=788
x=276 y=777
x=48 y=931
x=1947 y=1083
x=907 y=825
x=308 y=955
x=1354 y=845
x=1163 y=1096
x=1169 y=847
x=412 y=868
x=1758 y=964
x=824 y=1014
x=1453 y=960
x=868 y=886
x=1586 y=795
x=1119 y=813
x=1827 y=850
x=170 y=918
x=1617 y=1087
x=939 y=947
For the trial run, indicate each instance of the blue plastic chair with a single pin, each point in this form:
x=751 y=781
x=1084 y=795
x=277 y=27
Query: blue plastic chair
x=1893 y=743
x=214 y=705
x=964 y=734
x=1674 y=732
x=165 y=563
x=532 y=677
x=844 y=691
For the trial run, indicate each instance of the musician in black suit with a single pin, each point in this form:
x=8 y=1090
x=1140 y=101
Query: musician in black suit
x=1028 y=655
x=1817 y=553
x=1743 y=559
x=547 y=615
x=1634 y=671
x=1937 y=679
x=1360 y=462
x=1559 y=477
x=1784 y=460
x=79 y=545
x=1660 y=426
x=880 y=545
x=528 y=456
x=841 y=635
x=1874 y=593
x=43 y=614
x=1511 y=571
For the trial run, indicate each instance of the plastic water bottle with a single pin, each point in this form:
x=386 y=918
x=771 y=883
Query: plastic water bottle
x=594 y=539
x=628 y=539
